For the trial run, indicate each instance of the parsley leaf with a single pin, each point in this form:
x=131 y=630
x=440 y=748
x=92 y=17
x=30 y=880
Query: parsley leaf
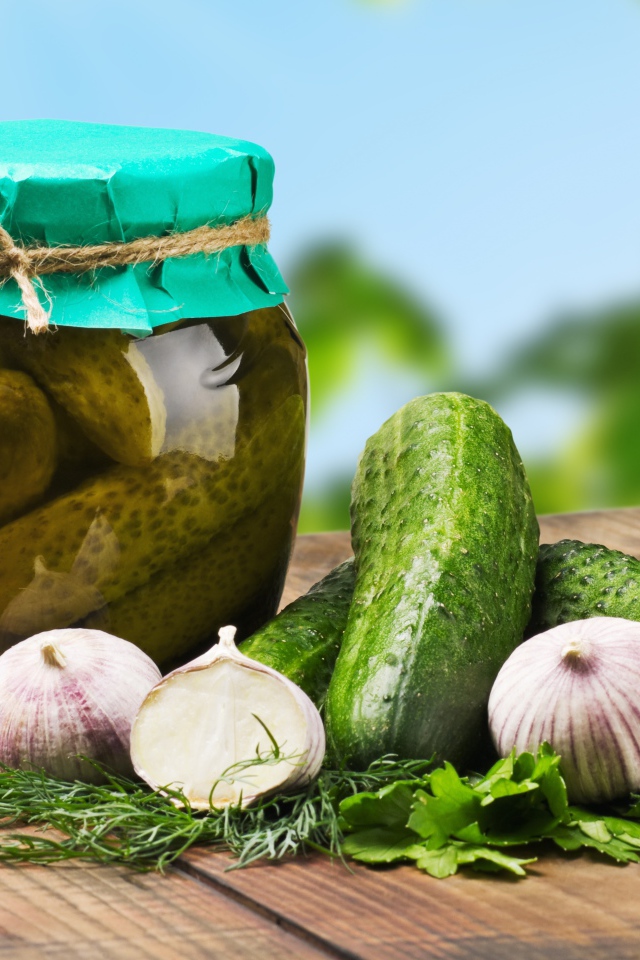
x=389 y=806
x=381 y=845
x=443 y=821
x=449 y=806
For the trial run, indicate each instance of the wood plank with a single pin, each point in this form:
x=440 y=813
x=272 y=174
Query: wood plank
x=619 y=529
x=313 y=556
x=98 y=912
x=566 y=907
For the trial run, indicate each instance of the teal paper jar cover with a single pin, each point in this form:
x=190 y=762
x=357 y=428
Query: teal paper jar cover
x=63 y=182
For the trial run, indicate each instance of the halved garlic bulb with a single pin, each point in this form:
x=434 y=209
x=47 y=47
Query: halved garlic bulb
x=209 y=728
x=576 y=686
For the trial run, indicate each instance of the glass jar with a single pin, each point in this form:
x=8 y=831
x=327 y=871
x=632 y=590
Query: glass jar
x=150 y=479
x=187 y=523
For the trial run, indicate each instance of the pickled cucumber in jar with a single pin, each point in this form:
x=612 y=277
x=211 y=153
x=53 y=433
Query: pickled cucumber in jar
x=28 y=443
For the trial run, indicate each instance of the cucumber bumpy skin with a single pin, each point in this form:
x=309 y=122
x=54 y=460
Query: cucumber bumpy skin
x=304 y=640
x=576 y=580
x=445 y=538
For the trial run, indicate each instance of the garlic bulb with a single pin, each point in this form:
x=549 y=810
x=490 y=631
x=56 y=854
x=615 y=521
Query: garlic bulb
x=576 y=686
x=202 y=726
x=69 y=692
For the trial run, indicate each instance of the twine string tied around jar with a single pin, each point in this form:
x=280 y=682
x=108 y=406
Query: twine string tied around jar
x=26 y=264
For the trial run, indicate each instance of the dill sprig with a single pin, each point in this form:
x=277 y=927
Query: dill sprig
x=123 y=821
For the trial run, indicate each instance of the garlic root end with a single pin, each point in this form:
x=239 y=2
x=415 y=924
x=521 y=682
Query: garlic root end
x=53 y=655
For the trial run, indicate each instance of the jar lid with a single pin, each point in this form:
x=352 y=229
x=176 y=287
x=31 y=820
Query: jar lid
x=68 y=183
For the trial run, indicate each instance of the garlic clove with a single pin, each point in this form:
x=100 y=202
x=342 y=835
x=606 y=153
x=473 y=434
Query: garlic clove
x=577 y=686
x=202 y=726
x=69 y=692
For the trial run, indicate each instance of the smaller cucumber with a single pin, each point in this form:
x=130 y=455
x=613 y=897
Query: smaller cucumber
x=303 y=641
x=575 y=581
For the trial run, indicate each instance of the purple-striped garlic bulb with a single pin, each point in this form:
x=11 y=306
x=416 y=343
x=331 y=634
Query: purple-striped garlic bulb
x=227 y=730
x=69 y=692
x=576 y=686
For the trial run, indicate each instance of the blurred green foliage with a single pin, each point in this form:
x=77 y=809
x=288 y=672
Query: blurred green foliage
x=328 y=509
x=597 y=359
x=345 y=308
x=343 y=305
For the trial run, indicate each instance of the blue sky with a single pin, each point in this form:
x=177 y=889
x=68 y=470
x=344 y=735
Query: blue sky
x=485 y=151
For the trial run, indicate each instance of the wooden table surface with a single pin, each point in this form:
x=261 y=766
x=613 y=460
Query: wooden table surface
x=570 y=908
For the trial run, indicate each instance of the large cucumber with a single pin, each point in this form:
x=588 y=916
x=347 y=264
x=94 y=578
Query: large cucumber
x=576 y=580
x=445 y=538
x=303 y=641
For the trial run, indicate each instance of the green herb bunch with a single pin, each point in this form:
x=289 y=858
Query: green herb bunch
x=393 y=811
x=124 y=821
x=448 y=821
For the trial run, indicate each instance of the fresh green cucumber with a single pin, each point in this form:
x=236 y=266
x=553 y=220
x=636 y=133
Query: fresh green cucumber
x=303 y=641
x=576 y=580
x=445 y=540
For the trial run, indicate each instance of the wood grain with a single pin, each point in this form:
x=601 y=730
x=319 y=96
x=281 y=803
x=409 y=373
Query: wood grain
x=97 y=912
x=619 y=529
x=313 y=556
x=569 y=908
